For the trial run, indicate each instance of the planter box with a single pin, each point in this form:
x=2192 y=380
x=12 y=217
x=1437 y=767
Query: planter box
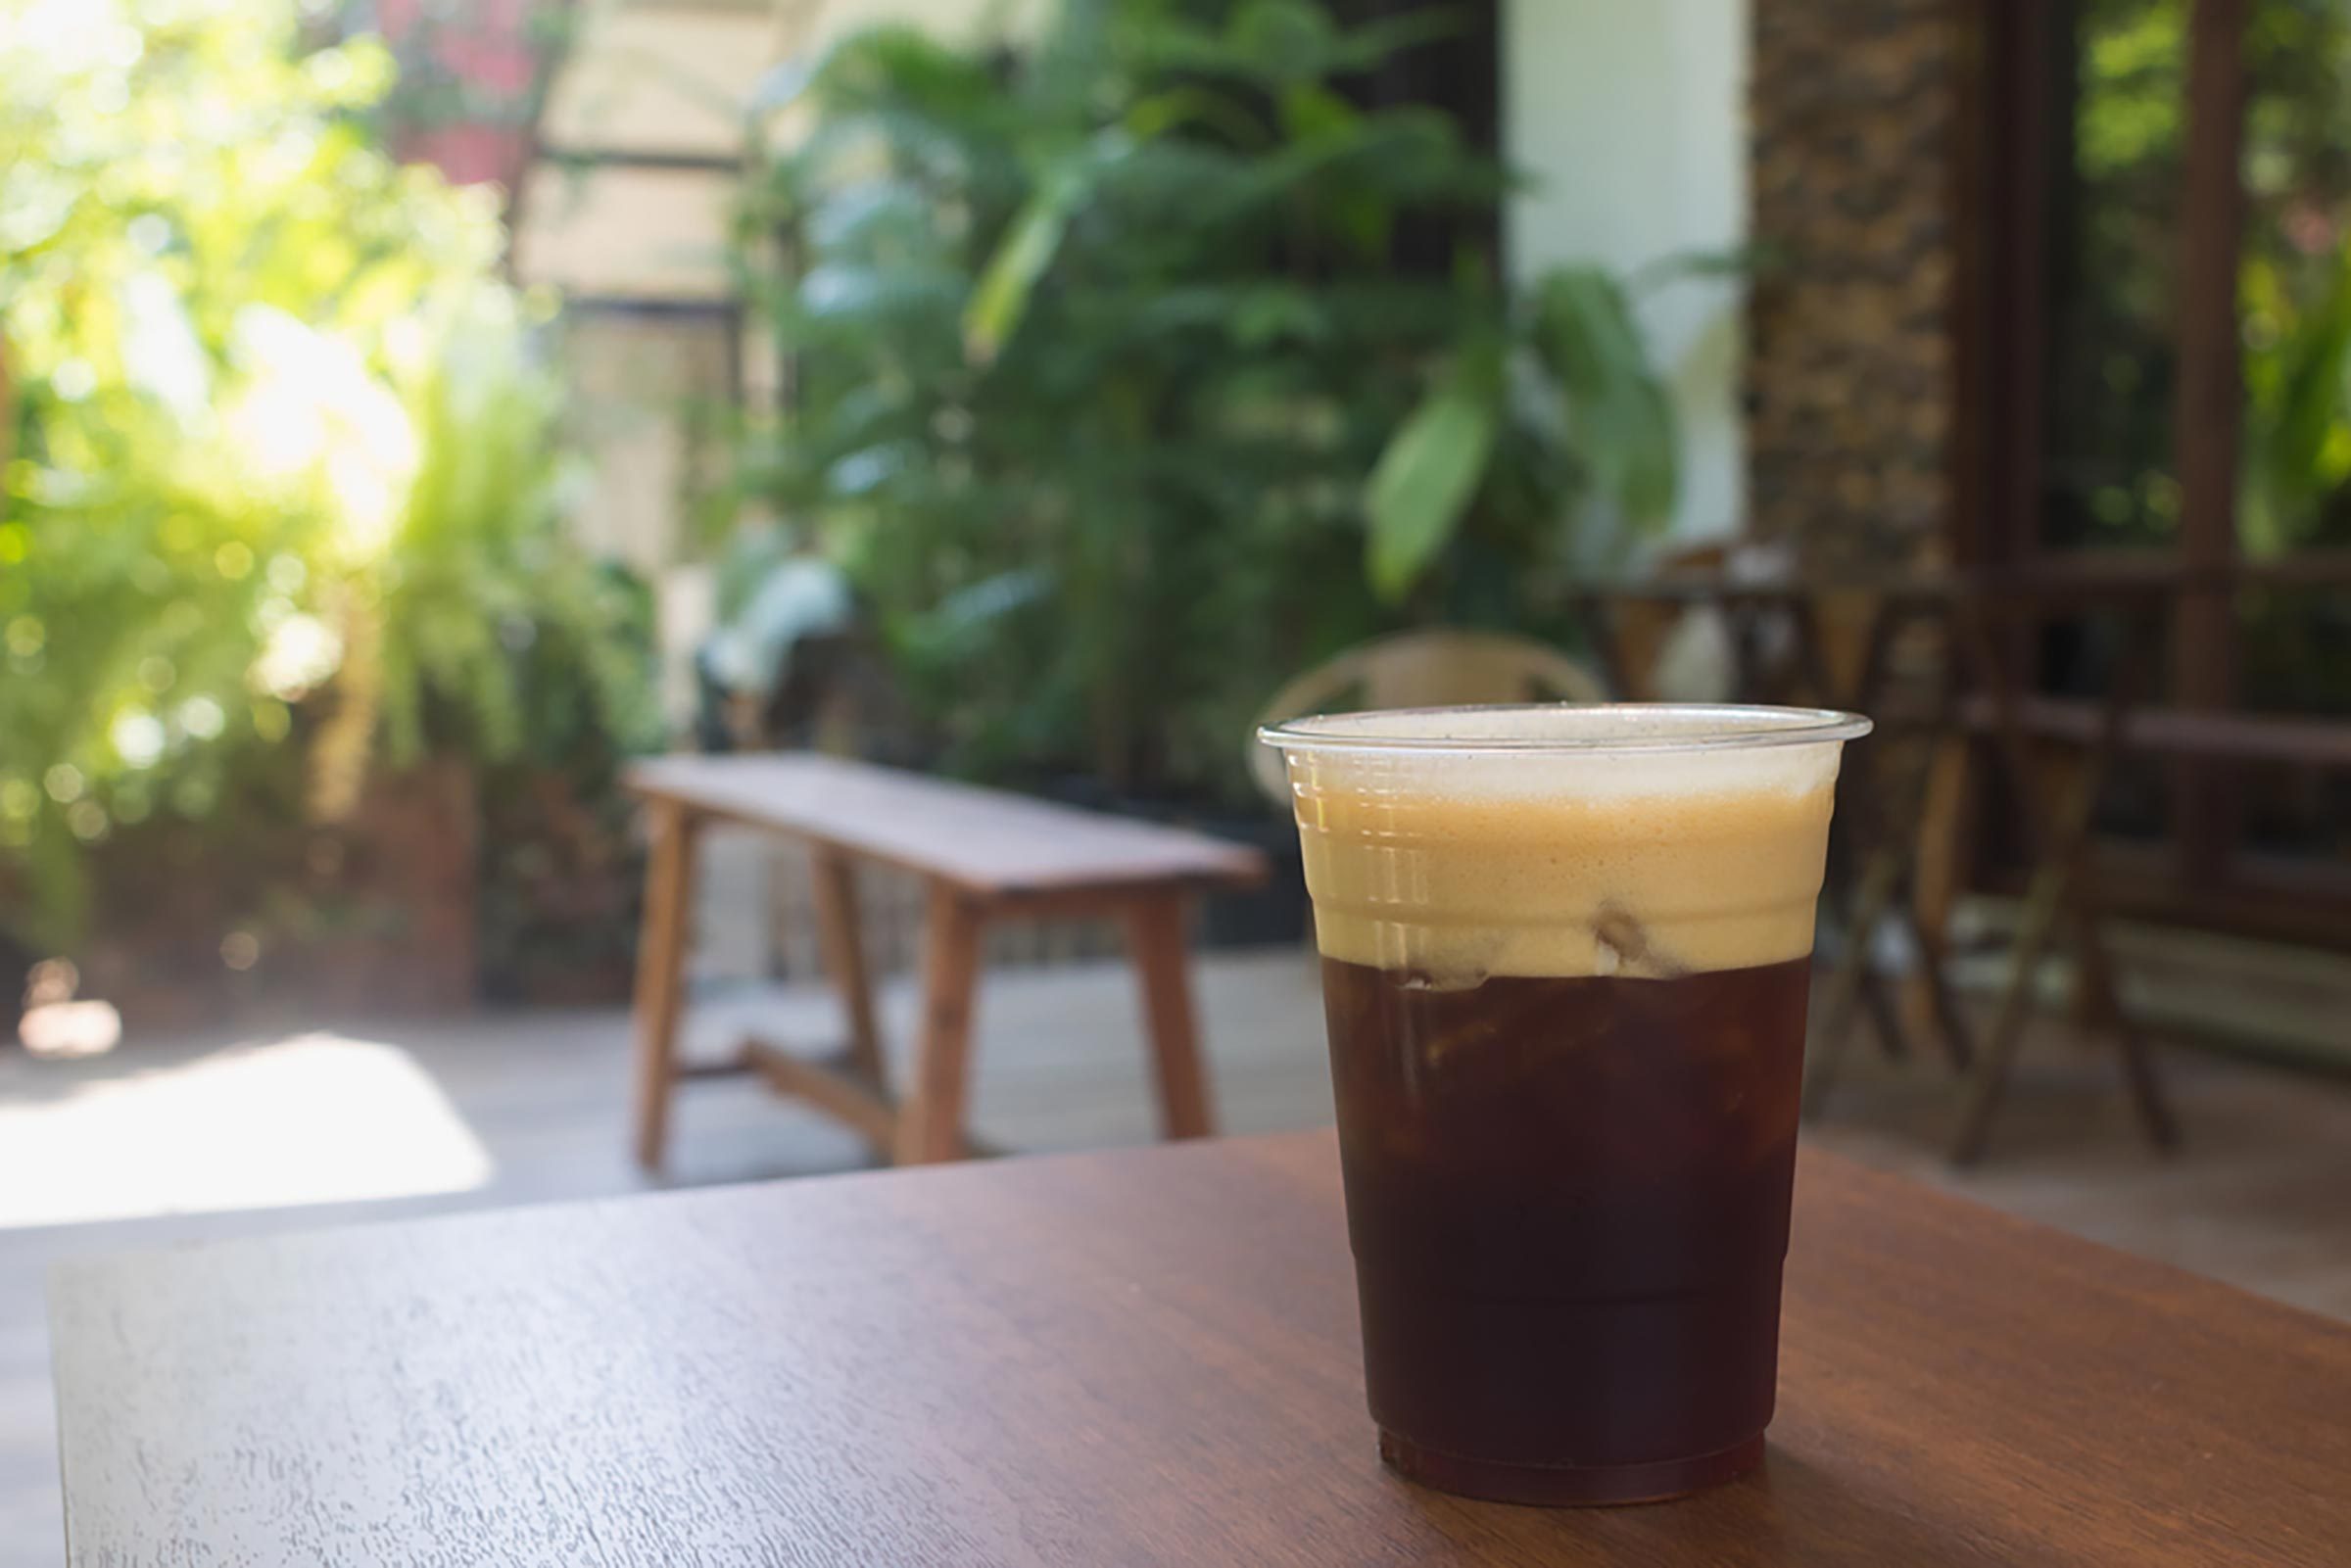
x=561 y=879
x=371 y=916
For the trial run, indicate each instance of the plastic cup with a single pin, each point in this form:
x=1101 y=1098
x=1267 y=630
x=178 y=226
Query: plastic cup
x=1566 y=955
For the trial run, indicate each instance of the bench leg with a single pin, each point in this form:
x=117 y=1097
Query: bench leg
x=1886 y=1016
x=2060 y=889
x=1879 y=883
x=660 y=973
x=1989 y=1080
x=930 y=1118
x=1951 y=1019
x=2146 y=1088
x=2104 y=1000
x=1867 y=868
x=1155 y=938
x=843 y=947
x=2065 y=887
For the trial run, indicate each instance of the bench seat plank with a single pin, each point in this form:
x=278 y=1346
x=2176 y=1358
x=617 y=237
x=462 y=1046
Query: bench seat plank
x=984 y=841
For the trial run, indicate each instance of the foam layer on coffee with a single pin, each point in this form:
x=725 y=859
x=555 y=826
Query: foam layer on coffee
x=1454 y=867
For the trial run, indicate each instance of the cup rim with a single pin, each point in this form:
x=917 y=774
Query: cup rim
x=1712 y=727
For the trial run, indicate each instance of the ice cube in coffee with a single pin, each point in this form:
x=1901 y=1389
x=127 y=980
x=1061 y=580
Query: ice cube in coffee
x=1565 y=954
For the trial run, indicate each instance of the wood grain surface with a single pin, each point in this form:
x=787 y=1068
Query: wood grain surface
x=983 y=840
x=1147 y=1356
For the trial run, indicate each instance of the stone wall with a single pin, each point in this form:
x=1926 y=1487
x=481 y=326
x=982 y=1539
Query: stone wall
x=1850 y=385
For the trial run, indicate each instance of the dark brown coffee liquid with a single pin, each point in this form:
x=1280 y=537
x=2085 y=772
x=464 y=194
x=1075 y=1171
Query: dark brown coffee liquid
x=1569 y=1203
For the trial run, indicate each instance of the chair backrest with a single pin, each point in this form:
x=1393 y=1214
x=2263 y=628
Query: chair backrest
x=1645 y=631
x=1425 y=669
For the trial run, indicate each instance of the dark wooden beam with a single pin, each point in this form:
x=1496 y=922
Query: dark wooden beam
x=2279 y=898
x=2011 y=149
x=2004 y=164
x=2206 y=415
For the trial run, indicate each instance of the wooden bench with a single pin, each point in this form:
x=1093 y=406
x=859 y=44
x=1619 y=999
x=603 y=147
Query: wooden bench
x=984 y=856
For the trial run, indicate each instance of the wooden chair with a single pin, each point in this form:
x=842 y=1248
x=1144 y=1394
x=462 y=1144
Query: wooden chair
x=1979 y=697
x=1792 y=638
x=1641 y=630
x=1436 y=668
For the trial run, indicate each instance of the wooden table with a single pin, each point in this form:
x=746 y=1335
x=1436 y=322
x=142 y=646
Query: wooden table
x=985 y=856
x=1137 y=1358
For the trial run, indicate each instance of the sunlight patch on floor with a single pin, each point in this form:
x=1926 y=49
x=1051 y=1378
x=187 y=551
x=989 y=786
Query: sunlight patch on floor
x=68 y=1031
x=313 y=1119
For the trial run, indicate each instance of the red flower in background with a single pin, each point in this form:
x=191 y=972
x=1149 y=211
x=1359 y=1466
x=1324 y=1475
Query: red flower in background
x=472 y=71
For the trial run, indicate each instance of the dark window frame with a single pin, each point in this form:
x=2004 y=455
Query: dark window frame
x=2015 y=131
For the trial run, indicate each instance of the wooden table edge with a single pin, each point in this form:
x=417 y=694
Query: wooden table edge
x=1284 y=1151
x=1295 y=1167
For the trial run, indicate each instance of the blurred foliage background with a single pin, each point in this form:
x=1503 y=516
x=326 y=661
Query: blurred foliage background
x=1114 y=386
x=1128 y=371
x=281 y=470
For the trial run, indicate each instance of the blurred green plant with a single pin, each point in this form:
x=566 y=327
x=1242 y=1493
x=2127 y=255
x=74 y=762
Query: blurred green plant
x=276 y=458
x=2115 y=319
x=2114 y=396
x=1111 y=394
x=2294 y=296
x=2112 y=357
x=2295 y=283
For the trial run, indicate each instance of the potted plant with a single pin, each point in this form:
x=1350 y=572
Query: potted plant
x=1110 y=396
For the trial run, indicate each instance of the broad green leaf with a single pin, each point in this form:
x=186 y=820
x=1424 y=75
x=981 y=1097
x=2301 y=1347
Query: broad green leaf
x=1311 y=111
x=1002 y=297
x=957 y=622
x=856 y=219
x=2310 y=401
x=1619 y=418
x=1426 y=477
x=1184 y=107
x=900 y=67
x=1365 y=46
x=1287 y=40
x=1029 y=247
x=1274 y=312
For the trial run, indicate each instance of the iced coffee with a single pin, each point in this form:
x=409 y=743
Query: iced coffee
x=1565 y=954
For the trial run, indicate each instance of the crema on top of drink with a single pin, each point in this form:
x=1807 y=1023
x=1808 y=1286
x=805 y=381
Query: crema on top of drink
x=1561 y=842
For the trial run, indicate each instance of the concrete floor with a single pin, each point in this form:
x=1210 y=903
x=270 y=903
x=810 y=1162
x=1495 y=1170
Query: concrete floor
x=164 y=1142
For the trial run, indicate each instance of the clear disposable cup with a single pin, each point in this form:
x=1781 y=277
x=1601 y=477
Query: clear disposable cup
x=1566 y=955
